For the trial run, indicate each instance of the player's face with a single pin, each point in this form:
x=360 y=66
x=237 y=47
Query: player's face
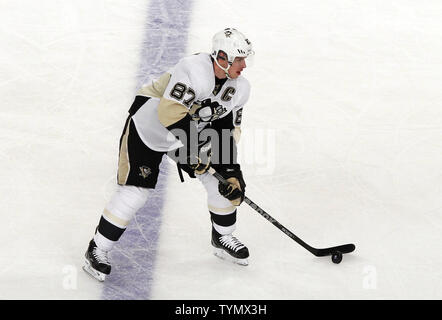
x=238 y=65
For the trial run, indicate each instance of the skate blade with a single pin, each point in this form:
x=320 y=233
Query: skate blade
x=220 y=253
x=92 y=272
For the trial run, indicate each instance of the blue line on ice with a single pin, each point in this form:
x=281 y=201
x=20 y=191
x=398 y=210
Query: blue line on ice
x=133 y=258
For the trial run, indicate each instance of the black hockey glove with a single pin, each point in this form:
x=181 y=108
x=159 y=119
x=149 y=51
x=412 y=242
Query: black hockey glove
x=208 y=111
x=235 y=190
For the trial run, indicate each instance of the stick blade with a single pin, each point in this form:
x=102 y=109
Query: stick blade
x=345 y=248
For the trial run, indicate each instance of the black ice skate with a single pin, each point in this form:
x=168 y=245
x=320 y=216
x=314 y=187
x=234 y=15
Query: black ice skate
x=229 y=248
x=96 y=262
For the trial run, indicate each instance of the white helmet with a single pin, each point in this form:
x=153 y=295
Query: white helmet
x=233 y=43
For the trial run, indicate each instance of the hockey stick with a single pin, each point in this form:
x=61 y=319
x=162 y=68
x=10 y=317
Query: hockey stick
x=335 y=252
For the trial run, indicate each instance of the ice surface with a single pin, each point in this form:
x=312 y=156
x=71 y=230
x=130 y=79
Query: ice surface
x=341 y=143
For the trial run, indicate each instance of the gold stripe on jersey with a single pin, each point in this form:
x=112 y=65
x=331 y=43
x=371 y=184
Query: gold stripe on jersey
x=156 y=88
x=123 y=160
x=170 y=112
x=227 y=210
x=114 y=219
x=236 y=134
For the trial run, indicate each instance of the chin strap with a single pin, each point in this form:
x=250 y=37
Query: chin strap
x=226 y=70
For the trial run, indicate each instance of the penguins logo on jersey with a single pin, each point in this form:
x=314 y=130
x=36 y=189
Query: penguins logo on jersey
x=145 y=172
x=220 y=110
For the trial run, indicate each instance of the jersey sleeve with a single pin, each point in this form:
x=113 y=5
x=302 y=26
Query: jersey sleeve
x=238 y=109
x=183 y=89
x=185 y=85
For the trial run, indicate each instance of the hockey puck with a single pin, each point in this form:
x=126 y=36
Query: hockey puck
x=337 y=257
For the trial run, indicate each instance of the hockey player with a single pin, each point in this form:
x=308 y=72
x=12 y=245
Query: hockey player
x=202 y=93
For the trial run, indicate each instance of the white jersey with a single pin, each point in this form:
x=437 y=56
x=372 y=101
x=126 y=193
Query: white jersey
x=189 y=82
